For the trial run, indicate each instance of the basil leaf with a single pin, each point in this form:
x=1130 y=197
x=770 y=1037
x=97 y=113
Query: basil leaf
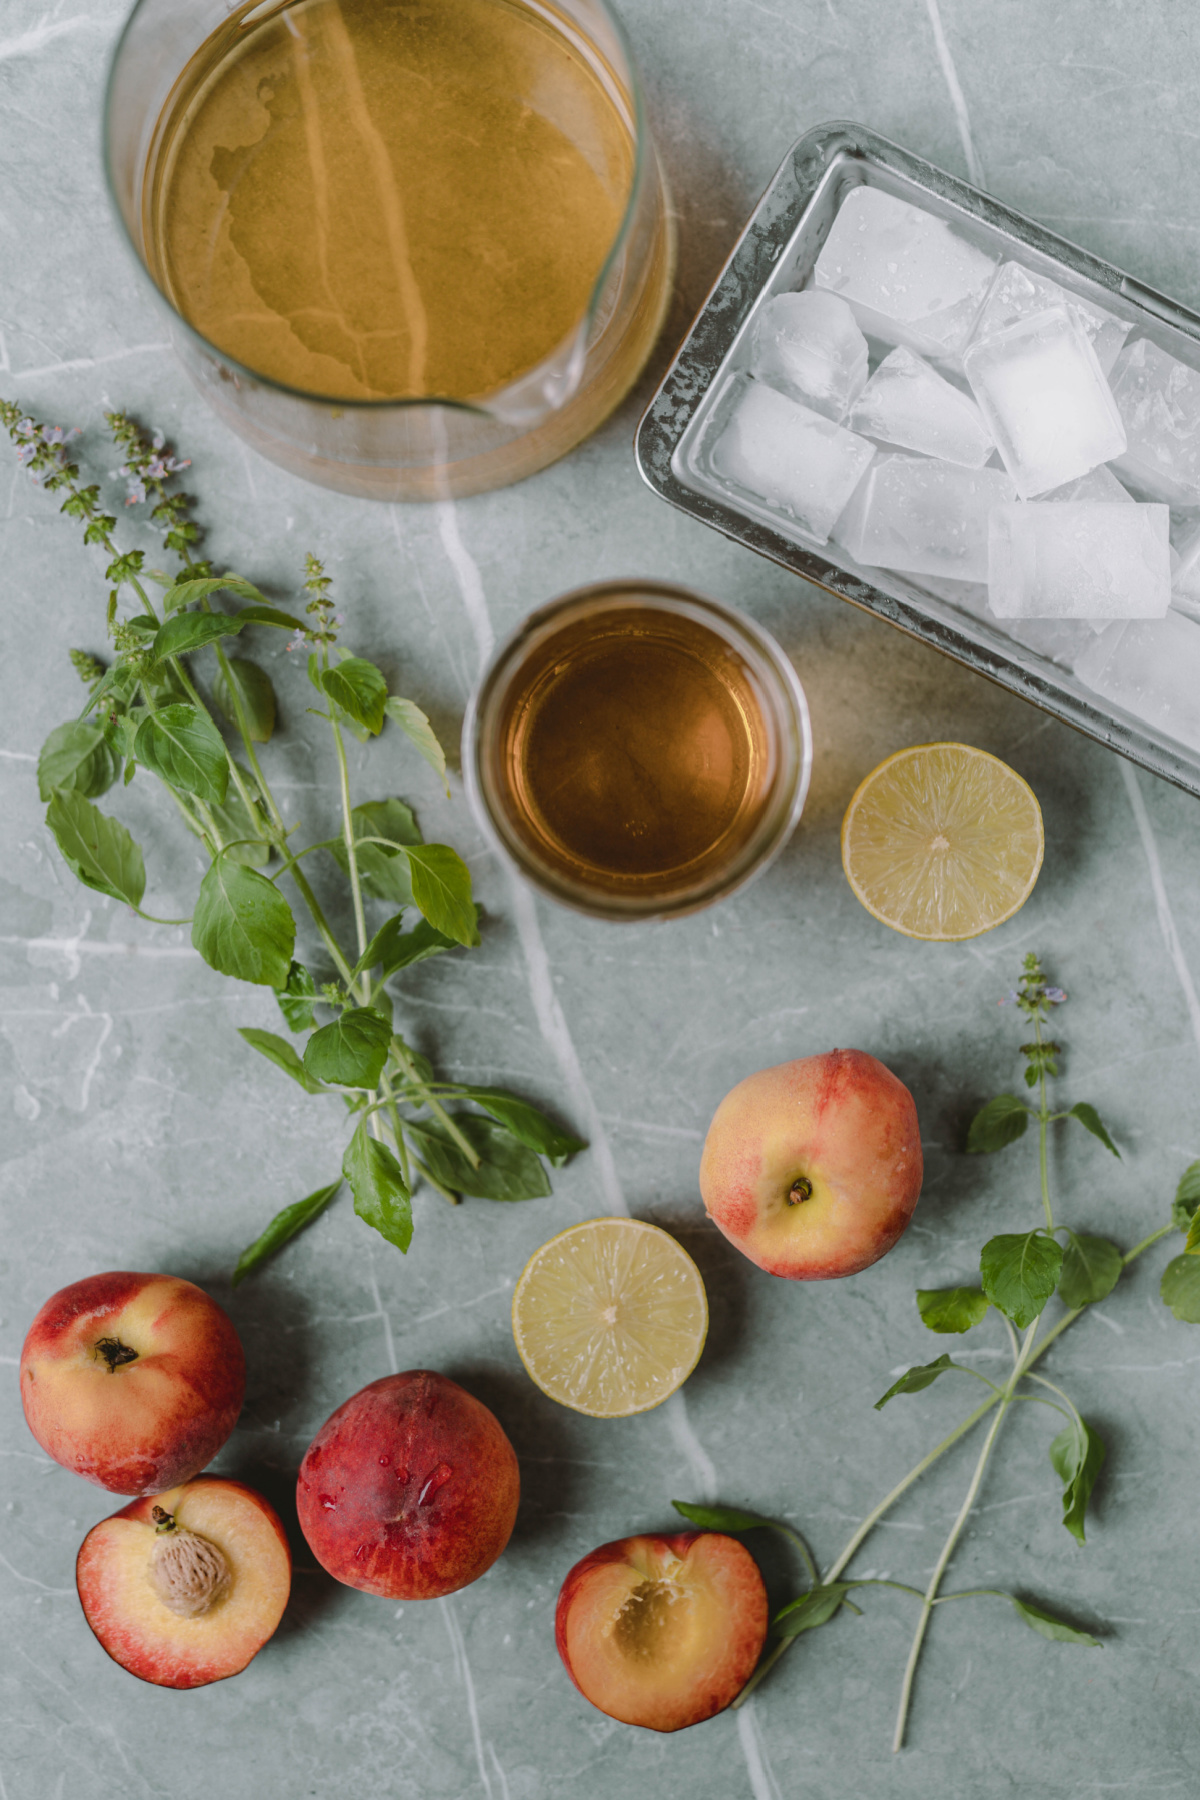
x=815 y=1608
x=263 y=614
x=527 y=1124
x=441 y=888
x=77 y=756
x=1077 y=1454
x=243 y=926
x=359 y=688
x=1090 y=1119
x=377 y=1182
x=420 y=733
x=1001 y=1122
x=721 y=1518
x=242 y=829
x=1039 y=1620
x=187 y=631
x=277 y=1050
x=237 y=824
x=1187 y=1197
x=394 y=949
x=283 y=1226
x=1091 y=1268
x=96 y=848
x=382 y=871
x=186 y=593
x=1180 y=1288
x=1191 y=1244
x=507 y=1169
x=297 y=997
x=921 y=1376
x=252 y=686
x=951 y=1309
x=184 y=746
x=351 y=1051
x=1020 y=1271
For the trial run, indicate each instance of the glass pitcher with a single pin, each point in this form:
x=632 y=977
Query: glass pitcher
x=414 y=446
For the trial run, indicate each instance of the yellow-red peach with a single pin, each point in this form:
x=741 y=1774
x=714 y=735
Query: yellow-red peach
x=409 y=1489
x=134 y=1381
x=662 y=1631
x=813 y=1168
x=184 y=1588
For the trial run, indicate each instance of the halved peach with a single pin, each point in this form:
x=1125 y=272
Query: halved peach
x=185 y=1587
x=662 y=1631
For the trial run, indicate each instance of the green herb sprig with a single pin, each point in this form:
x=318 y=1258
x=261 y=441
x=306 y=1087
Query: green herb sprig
x=145 y=710
x=1019 y=1273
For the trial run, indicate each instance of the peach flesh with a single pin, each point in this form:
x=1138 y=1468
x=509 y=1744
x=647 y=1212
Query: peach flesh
x=813 y=1168
x=409 y=1489
x=133 y=1381
x=189 y=1604
x=662 y=1631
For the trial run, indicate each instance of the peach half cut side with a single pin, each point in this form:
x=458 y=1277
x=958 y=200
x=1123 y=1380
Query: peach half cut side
x=662 y=1631
x=189 y=1601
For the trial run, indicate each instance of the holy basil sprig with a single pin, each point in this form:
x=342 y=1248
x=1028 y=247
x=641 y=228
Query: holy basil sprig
x=147 y=711
x=1020 y=1272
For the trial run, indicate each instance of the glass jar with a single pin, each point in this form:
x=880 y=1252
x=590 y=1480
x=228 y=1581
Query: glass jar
x=637 y=751
x=418 y=446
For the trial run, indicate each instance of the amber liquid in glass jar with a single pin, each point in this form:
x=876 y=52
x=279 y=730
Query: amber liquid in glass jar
x=634 y=752
x=384 y=199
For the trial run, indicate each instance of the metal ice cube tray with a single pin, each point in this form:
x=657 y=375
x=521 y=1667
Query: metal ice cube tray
x=776 y=253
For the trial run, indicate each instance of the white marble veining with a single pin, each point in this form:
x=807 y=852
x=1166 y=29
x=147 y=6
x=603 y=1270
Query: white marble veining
x=137 y=1134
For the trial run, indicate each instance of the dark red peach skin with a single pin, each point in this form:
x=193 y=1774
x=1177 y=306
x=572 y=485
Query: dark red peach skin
x=409 y=1489
x=843 y=1121
x=155 y=1421
x=721 y=1662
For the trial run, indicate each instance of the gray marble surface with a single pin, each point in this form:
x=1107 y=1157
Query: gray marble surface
x=138 y=1133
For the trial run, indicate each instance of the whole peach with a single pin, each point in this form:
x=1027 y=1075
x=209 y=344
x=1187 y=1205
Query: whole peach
x=409 y=1489
x=813 y=1168
x=662 y=1631
x=134 y=1381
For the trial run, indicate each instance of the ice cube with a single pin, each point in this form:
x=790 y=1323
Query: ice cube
x=1079 y=559
x=1186 y=540
x=1046 y=401
x=909 y=277
x=1064 y=641
x=923 y=517
x=1097 y=484
x=784 y=453
x=908 y=403
x=1016 y=292
x=1151 y=667
x=1159 y=402
x=809 y=346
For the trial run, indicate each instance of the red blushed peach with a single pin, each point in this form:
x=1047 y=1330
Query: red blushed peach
x=662 y=1631
x=133 y=1381
x=185 y=1589
x=813 y=1168
x=409 y=1489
